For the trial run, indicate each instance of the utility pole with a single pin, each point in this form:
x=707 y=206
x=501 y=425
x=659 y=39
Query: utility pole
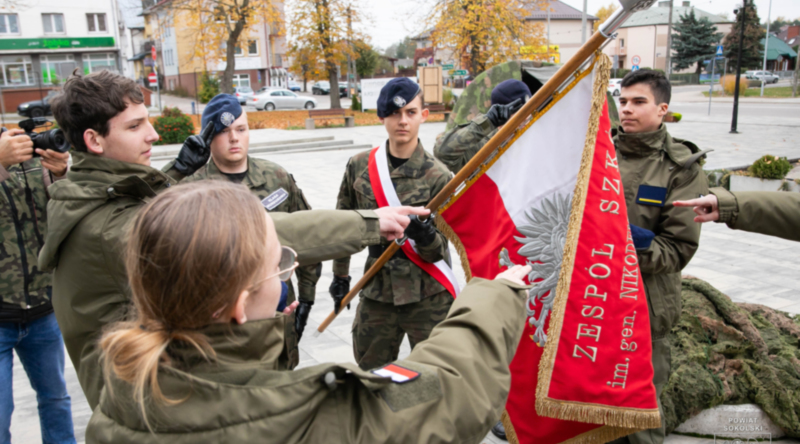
x=734 y=121
x=668 y=67
x=349 y=56
x=548 y=28
x=583 y=24
x=766 y=46
x=796 y=75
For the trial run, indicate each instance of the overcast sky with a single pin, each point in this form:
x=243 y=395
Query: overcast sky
x=394 y=19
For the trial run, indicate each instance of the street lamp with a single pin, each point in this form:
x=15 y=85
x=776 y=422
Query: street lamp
x=743 y=13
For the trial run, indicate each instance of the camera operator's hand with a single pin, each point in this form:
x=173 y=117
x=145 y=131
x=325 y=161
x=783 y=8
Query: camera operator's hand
x=15 y=147
x=423 y=232
x=338 y=290
x=195 y=151
x=54 y=161
x=394 y=220
x=499 y=114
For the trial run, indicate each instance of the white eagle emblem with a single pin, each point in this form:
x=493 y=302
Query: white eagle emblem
x=543 y=245
x=399 y=101
x=226 y=118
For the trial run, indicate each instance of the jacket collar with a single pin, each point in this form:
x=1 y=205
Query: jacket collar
x=251 y=179
x=115 y=177
x=641 y=144
x=414 y=167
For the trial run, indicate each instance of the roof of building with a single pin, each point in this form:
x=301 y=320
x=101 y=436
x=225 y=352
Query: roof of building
x=659 y=15
x=559 y=11
x=778 y=47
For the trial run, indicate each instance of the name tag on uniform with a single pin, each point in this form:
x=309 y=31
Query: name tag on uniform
x=650 y=195
x=273 y=200
x=398 y=374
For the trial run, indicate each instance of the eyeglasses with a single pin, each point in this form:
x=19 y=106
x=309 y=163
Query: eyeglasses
x=286 y=265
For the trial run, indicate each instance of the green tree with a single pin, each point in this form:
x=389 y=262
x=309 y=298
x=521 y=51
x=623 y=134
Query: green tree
x=209 y=87
x=775 y=25
x=404 y=49
x=366 y=59
x=693 y=41
x=752 y=50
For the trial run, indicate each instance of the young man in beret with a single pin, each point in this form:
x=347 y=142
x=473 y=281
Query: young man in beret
x=403 y=298
x=456 y=147
x=273 y=185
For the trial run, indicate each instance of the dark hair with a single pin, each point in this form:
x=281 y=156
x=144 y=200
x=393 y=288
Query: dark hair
x=659 y=85
x=89 y=102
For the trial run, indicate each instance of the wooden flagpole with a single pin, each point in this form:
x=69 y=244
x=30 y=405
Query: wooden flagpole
x=542 y=95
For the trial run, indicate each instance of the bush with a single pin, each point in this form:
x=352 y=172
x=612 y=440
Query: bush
x=677 y=116
x=448 y=98
x=173 y=126
x=355 y=104
x=209 y=87
x=728 y=83
x=770 y=167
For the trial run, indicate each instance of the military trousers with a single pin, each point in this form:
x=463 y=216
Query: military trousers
x=379 y=327
x=661 y=369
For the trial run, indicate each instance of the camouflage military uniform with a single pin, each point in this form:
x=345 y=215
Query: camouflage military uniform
x=401 y=298
x=457 y=146
x=25 y=289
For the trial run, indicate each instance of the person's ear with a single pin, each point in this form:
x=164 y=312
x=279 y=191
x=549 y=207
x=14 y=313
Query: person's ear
x=92 y=139
x=424 y=114
x=238 y=313
x=662 y=109
x=381 y=119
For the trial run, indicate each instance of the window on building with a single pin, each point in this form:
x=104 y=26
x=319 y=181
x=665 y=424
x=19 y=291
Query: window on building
x=238 y=50
x=241 y=80
x=17 y=70
x=56 y=68
x=96 y=22
x=252 y=47
x=9 y=24
x=53 y=23
x=621 y=43
x=98 y=62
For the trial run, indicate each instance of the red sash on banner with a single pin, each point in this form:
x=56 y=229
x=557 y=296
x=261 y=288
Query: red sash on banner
x=385 y=195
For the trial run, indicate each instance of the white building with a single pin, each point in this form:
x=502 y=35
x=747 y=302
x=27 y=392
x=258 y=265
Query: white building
x=132 y=44
x=43 y=41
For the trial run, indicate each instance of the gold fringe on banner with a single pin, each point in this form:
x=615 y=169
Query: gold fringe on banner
x=617 y=421
x=448 y=232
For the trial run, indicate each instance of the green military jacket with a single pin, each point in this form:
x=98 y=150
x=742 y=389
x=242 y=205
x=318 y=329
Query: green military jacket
x=416 y=182
x=94 y=207
x=264 y=179
x=242 y=398
x=653 y=163
x=456 y=147
x=773 y=213
x=23 y=225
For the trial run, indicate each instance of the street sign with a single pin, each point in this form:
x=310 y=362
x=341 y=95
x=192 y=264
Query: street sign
x=153 y=52
x=152 y=79
x=447 y=67
x=635 y=68
x=719 y=50
x=635 y=60
x=460 y=72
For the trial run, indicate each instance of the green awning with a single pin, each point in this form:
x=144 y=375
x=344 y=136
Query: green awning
x=778 y=48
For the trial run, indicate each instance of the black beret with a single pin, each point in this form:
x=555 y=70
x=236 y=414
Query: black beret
x=508 y=91
x=223 y=109
x=396 y=94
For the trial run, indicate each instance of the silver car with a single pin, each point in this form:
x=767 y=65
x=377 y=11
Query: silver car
x=243 y=93
x=280 y=98
x=764 y=76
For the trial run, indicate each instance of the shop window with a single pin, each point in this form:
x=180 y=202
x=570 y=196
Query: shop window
x=17 y=70
x=241 y=80
x=56 y=68
x=98 y=62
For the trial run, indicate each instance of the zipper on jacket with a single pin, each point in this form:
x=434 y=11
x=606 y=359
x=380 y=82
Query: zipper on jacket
x=21 y=244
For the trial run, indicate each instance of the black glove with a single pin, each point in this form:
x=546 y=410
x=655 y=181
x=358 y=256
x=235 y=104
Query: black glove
x=195 y=151
x=499 y=114
x=338 y=290
x=301 y=317
x=423 y=232
x=642 y=237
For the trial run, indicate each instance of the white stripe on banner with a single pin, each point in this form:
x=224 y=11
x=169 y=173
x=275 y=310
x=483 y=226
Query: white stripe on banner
x=394 y=201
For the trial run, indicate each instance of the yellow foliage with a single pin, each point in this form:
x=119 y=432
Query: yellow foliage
x=728 y=83
x=604 y=13
x=485 y=32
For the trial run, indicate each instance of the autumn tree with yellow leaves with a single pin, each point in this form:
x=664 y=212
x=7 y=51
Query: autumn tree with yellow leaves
x=305 y=64
x=604 y=13
x=485 y=32
x=218 y=27
x=325 y=28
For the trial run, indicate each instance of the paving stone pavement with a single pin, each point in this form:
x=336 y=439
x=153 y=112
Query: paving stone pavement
x=747 y=267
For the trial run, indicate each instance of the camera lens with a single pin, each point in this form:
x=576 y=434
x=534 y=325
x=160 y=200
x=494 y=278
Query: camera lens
x=53 y=139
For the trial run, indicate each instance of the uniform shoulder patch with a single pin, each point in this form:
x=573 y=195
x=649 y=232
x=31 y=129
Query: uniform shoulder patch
x=422 y=386
x=652 y=196
x=276 y=198
x=398 y=374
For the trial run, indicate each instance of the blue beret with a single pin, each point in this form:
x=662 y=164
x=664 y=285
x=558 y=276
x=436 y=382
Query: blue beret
x=223 y=109
x=396 y=94
x=508 y=91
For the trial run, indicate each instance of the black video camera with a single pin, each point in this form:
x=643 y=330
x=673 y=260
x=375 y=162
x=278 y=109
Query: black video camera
x=53 y=139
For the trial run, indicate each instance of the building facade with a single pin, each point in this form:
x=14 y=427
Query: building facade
x=643 y=37
x=41 y=45
x=563 y=29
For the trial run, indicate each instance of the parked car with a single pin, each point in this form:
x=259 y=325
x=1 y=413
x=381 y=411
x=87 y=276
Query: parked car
x=764 y=76
x=243 y=93
x=280 y=98
x=322 y=88
x=615 y=87
x=37 y=108
x=294 y=86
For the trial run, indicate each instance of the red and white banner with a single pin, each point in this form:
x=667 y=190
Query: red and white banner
x=385 y=195
x=552 y=198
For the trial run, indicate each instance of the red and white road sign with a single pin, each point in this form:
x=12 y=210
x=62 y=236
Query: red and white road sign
x=634 y=61
x=152 y=78
x=153 y=52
